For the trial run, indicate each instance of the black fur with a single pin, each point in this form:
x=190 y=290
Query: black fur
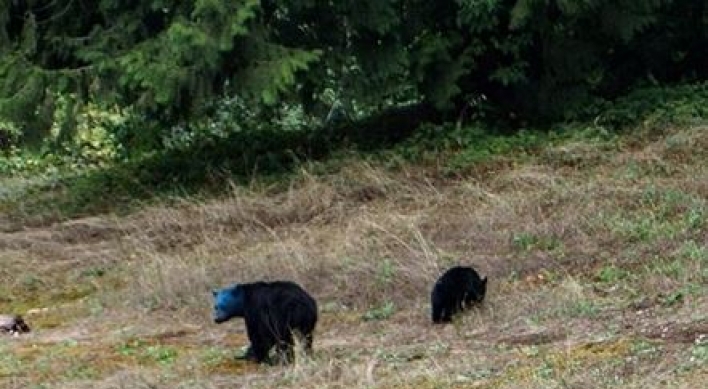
x=458 y=288
x=272 y=312
x=13 y=324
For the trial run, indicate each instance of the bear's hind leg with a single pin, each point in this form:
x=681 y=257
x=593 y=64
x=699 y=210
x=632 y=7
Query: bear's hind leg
x=308 y=343
x=285 y=349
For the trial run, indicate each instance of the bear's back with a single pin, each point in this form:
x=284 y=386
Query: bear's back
x=278 y=293
x=460 y=275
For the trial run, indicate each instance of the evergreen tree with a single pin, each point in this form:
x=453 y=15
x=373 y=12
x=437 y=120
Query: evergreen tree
x=168 y=60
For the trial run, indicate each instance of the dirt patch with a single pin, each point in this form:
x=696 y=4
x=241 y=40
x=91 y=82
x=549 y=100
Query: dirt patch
x=534 y=338
x=678 y=332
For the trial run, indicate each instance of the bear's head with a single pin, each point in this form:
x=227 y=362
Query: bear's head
x=228 y=303
x=477 y=290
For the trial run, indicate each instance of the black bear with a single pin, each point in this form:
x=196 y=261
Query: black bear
x=13 y=324
x=273 y=311
x=458 y=288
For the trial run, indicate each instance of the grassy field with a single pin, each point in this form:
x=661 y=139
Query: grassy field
x=597 y=253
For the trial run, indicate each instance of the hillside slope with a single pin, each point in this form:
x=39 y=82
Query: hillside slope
x=597 y=254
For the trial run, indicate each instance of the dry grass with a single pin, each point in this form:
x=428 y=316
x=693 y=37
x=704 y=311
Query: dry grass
x=598 y=258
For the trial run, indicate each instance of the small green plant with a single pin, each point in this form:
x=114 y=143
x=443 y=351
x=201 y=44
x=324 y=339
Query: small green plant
x=645 y=347
x=214 y=356
x=382 y=312
x=525 y=241
x=386 y=272
x=673 y=298
x=693 y=251
x=130 y=347
x=140 y=349
x=81 y=372
x=93 y=272
x=672 y=269
x=583 y=308
x=697 y=354
x=696 y=218
x=531 y=351
x=161 y=354
x=699 y=351
x=612 y=274
x=679 y=295
x=546 y=370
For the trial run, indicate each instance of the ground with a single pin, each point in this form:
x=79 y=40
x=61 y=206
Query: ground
x=597 y=254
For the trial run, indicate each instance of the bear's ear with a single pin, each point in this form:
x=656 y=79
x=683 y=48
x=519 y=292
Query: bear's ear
x=484 y=281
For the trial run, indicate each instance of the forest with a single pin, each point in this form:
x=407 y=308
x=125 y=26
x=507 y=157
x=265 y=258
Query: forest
x=112 y=81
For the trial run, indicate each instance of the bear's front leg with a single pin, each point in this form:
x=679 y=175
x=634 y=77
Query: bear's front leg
x=261 y=341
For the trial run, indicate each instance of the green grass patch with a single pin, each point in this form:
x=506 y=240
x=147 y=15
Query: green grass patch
x=526 y=241
x=581 y=308
x=658 y=214
x=381 y=312
x=655 y=106
x=145 y=353
x=611 y=274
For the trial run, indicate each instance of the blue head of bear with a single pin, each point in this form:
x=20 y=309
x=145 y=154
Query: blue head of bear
x=228 y=303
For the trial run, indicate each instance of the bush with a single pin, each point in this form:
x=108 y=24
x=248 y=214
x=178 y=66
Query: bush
x=654 y=106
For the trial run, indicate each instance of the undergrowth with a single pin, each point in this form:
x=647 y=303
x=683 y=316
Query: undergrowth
x=46 y=187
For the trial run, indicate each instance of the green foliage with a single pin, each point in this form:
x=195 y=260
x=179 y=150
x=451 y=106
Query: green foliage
x=525 y=241
x=659 y=215
x=11 y=162
x=582 y=308
x=101 y=168
x=611 y=274
x=168 y=96
x=386 y=272
x=147 y=353
x=167 y=62
x=91 y=142
x=269 y=76
x=655 y=106
x=168 y=57
x=694 y=251
x=472 y=144
x=381 y=312
x=699 y=351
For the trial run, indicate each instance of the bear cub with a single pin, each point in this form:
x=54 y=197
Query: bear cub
x=458 y=288
x=274 y=312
